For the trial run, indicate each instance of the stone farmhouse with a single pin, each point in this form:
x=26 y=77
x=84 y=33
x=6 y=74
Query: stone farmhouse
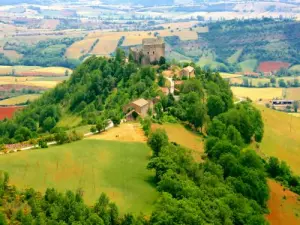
x=188 y=72
x=138 y=108
x=151 y=51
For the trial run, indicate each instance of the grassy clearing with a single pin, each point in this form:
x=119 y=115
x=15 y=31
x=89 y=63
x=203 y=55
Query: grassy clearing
x=235 y=57
x=257 y=93
x=281 y=137
x=95 y=166
x=179 y=134
x=69 y=121
x=19 y=99
x=248 y=65
x=283 y=205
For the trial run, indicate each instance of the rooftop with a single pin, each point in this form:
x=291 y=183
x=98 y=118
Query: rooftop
x=140 y=102
x=189 y=69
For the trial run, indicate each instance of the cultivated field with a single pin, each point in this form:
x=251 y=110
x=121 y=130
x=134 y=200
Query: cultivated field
x=106 y=45
x=8 y=112
x=19 y=100
x=33 y=71
x=230 y=75
x=128 y=132
x=284 y=205
x=293 y=93
x=270 y=66
x=79 y=48
x=257 y=93
x=179 y=134
x=39 y=82
x=95 y=166
x=281 y=137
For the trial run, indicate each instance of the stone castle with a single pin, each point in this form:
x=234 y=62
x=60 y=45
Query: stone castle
x=151 y=51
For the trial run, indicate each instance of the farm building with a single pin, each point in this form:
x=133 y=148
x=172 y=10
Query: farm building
x=188 y=72
x=151 y=51
x=139 y=107
x=282 y=104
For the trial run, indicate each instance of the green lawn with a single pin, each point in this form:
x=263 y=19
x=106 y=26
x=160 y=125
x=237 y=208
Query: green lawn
x=95 y=166
x=248 y=65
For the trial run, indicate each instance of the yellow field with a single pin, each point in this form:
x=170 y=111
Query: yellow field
x=135 y=39
x=56 y=70
x=282 y=137
x=293 y=93
x=31 y=81
x=19 y=100
x=229 y=75
x=257 y=93
x=79 y=48
x=184 y=35
x=106 y=45
x=7 y=70
x=180 y=25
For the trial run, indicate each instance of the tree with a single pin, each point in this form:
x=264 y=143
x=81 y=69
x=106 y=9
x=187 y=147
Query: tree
x=216 y=128
x=296 y=106
x=196 y=115
x=282 y=83
x=158 y=110
x=49 y=123
x=161 y=80
x=157 y=140
x=273 y=80
x=215 y=106
x=101 y=124
x=234 y=136
x=61 y=138
x=2 y=219
x=162 y=61
x=120 y=55
x=67 y=73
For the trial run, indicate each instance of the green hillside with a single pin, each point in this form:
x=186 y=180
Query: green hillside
x=115 y=168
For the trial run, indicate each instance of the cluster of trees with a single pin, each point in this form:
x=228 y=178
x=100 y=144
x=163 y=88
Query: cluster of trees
x=282 y=173
x=228 y=188
x=45 y=53
x=30 y=207
x=201 y=99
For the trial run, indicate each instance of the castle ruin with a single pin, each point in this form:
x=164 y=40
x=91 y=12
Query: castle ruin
x=151 y=51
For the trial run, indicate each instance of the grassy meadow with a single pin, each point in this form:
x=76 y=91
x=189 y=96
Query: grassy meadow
x=95 y=166
x=184 y=137
x=281 y=137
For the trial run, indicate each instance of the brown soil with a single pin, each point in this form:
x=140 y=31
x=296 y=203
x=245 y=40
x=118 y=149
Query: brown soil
x=284 y=206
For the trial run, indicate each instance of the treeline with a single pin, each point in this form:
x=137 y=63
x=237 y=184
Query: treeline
x=45 y=53
x=97 y=90
x=255 y=37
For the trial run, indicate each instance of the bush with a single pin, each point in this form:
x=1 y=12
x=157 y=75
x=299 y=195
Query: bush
x=42 y=143
x=93 y=129
x=74 y=136
x=61 y=138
